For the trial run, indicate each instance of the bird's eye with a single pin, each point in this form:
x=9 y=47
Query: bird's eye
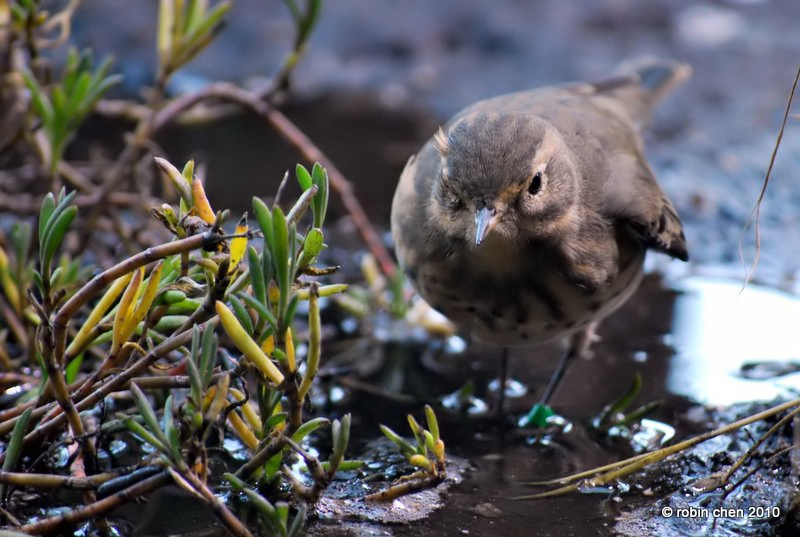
x=454 y=203
x=536 y=183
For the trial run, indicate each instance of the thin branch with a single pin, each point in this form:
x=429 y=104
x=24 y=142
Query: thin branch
x=292 y=134
x=96 y=284
x=755 y=216
x=115 y=384
x=71 y=518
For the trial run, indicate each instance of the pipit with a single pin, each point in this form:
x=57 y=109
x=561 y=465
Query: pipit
x=526 y=217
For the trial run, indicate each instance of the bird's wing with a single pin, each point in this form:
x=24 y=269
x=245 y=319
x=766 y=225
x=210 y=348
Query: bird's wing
x=633 y=195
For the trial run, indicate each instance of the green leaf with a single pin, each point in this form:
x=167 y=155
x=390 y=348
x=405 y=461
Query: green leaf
x=291 y=308
x=51 y=221
x=195 y=381
x=417 y=429
x=296 y=529
x=537 y=416
x=171 y=432
x=428 y=440
x=618 y=406
x=98 y=90
x=281 y=261
x=71 y=68
x=320 y=202
x=273 y=466
x=309 y=427
x=150 y=419
x=264 y=219
x=14 y=448
x=236 y=483
x=312 y=246
x=638 y=413
x=139 y=430
x=209 y=356
x=261 y=310
x=405 y=447
x=37 y=280
x=54 y=237
x=73 y=368
x=340 y=432
x=45 y=213
x=433 y=424
x=303 y=177
x=274 y=420
x=241 y=314
x=261 y=504
x=54 y=277
x=41 y=102
x=194 y=15
x=280 y=250
x=256 y=275
x=282 y=508
x=75 y=105
x=201 y=32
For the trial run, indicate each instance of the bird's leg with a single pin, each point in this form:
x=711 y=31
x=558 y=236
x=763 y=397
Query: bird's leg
x=501 y=401
x=579 y=345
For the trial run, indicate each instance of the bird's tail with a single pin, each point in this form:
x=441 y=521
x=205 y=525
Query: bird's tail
x=641 y=83
x=657 y=77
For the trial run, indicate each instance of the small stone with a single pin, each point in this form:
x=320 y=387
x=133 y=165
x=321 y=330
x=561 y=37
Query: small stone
x=487 y=510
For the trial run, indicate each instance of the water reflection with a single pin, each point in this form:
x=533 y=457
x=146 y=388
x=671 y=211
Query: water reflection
x=719 y=328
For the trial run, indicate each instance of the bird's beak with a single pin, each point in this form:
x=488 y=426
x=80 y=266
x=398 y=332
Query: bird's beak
x=485 y=220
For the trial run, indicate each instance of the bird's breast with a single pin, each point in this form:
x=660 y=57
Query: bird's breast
x=517 y=293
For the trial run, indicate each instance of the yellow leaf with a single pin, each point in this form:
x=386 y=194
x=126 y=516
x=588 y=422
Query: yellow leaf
x=246 y=345
x=178 y=181
x=420 y=461
x=137 y=314
x=145 y=302
x=290 y=356
x=125 y=311
x=269 y=345
x=79 y=342
x=244 y=433
x=217 y=403
x=273 y=292
x=239 y=244
x=248 y=410
x=201 y=204
x=9 y=288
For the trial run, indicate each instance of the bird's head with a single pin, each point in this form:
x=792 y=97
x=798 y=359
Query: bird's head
x=506 y=174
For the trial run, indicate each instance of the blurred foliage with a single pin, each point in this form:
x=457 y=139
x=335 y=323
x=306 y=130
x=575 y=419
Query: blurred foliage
x=63 y=106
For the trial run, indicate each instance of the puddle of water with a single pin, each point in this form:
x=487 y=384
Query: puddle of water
x=719 y=328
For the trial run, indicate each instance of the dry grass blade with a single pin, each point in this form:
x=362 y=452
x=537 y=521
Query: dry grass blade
x=605 y=474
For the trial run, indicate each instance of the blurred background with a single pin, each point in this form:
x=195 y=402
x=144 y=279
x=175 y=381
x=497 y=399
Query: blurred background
x=380 y=76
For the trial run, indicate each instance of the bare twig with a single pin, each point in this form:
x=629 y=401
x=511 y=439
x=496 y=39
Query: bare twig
x=233 y=524
x=19 y=479
x=96 y=284
x=298 y=139
x=70 y=518
x=117 y=383
x=755 y=216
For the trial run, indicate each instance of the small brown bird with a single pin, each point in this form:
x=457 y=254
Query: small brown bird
x=527 y=216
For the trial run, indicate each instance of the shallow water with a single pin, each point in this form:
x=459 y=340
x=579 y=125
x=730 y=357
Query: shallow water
x=721 y=326
x=708 y=322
